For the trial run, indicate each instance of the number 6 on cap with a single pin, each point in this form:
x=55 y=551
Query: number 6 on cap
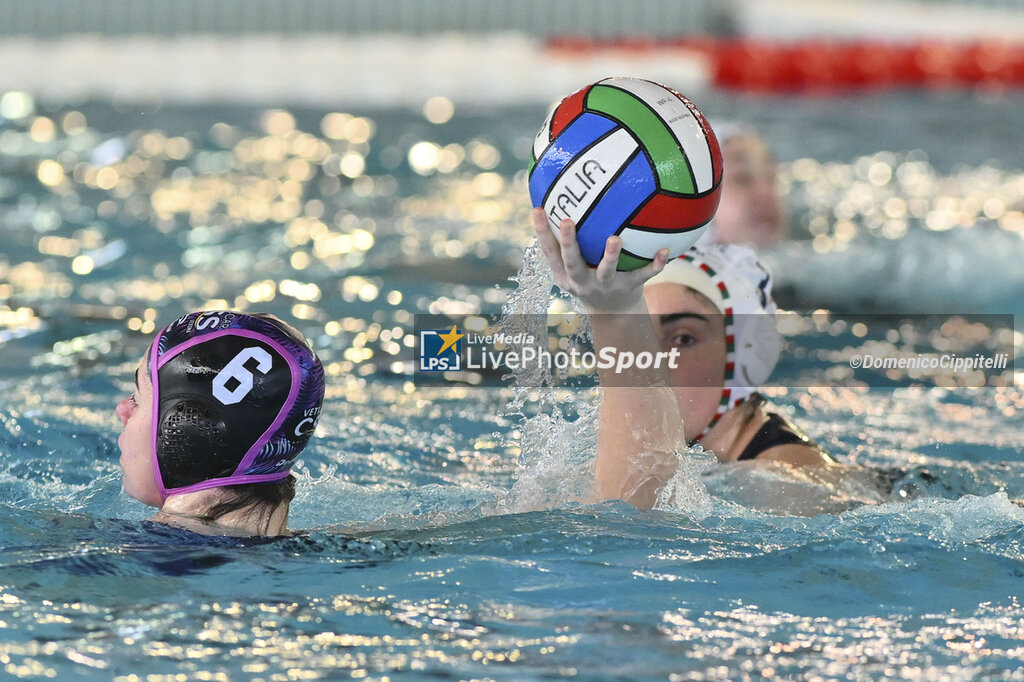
x=236 y=370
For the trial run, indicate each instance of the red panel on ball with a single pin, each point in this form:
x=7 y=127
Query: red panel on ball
x=569 y=109
x=716 y=149
x=662 y=212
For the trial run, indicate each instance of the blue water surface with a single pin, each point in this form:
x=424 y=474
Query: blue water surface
x=450 y=532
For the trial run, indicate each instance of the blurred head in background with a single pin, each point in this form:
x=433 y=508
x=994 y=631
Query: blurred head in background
x=751 y=210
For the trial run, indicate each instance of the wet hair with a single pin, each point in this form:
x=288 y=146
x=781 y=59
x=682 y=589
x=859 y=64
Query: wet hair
x=753 y=404
x=260 y=500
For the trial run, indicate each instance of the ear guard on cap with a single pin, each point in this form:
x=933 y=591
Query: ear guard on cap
x=188 y=426
x=758 y=346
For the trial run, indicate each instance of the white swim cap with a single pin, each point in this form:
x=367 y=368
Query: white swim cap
x=732 y=278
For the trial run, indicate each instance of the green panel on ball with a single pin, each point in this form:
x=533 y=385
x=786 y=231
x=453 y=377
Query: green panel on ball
x=674 y=174
x=630 y=262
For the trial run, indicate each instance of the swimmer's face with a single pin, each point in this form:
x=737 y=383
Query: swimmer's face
x=688 y=321
x=751 y=210
x=136 y=440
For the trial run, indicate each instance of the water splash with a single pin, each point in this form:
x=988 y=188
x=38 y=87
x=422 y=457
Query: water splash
x=686 y=490
x=524 y=312
x=558 y=427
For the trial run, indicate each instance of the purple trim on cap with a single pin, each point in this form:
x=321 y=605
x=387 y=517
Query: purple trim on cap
x=154 y=379
x=293 y=392
x=230 y=480
x=235 y=478
x=203 y=338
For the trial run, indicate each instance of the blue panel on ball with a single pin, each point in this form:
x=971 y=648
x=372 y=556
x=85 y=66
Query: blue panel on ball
x=627 y=192
x=580 y=134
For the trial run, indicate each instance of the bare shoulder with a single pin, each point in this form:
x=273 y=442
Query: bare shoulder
x=795 y=454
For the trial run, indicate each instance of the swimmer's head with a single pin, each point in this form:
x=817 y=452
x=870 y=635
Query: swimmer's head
x=751 y=210
x=236 y=398
x=740 y=288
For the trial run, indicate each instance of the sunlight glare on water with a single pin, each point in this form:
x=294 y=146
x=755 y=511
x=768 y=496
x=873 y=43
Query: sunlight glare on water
x=451 y=531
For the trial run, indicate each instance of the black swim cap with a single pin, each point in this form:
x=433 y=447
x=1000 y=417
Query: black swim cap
x=236 y=397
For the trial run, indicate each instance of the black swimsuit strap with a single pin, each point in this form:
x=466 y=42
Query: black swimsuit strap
x=775 y=431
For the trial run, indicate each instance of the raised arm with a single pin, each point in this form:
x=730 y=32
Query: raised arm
x=639 y=426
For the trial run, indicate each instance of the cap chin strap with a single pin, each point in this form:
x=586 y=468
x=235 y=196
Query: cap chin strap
x=753 y=344
x=731 y=395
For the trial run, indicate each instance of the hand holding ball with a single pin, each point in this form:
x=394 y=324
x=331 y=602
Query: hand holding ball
x=629 y=157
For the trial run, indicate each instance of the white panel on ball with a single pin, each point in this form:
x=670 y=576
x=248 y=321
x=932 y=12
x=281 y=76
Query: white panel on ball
x=646 y=244
x=579 y=185
x=681 y=121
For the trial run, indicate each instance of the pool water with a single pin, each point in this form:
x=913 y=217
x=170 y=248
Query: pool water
x=448 y=532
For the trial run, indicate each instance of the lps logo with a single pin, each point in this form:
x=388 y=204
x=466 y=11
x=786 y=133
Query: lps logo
x=440 y=350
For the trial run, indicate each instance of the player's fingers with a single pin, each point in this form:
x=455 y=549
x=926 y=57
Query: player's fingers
x=572 y=259
x=547 y=241
x=641 y=275
x=609 y=260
